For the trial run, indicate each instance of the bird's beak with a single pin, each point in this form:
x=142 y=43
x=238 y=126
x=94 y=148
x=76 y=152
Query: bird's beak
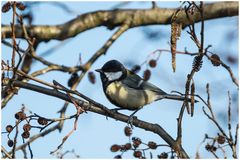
x=98 y=70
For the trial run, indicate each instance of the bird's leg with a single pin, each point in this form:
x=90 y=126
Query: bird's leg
x=130 y=119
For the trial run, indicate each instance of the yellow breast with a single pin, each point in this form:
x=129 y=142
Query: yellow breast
x=128 y=97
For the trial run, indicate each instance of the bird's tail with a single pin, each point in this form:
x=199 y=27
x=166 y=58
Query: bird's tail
x=177 y=97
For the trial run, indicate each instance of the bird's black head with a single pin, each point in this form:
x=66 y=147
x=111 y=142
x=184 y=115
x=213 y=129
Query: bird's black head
x=111 y=71
x=112 y=66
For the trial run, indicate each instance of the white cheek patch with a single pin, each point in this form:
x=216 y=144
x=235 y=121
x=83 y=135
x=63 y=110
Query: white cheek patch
x=111 y=76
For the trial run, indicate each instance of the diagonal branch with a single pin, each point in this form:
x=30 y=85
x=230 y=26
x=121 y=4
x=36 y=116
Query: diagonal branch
x=91 y=106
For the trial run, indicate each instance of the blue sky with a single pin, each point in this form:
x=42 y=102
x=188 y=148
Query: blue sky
x=95 y=134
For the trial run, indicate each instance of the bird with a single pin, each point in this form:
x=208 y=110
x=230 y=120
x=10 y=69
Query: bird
x=127 y=90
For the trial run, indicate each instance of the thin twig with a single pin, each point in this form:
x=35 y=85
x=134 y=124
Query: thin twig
x=35 y=79
x=177 y=52
x=236 y=134
x=215 y=155
x=223 y=151
x=63 y=141
x=229 y=139
x=208 y=102
x=200 y=46
x=79 y=111
x=30 y=150
x=234 y=79
x=13 y=33
x=202 y=27
x=45 y=62
x=80 y=95
x=229 y=117
x=58 y=119
x=179 y=124
x=3 y=150
x=215 y=122
x=34 y=74
x=15 y=141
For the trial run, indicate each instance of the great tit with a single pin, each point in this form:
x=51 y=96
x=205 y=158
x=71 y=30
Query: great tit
x=127 y=90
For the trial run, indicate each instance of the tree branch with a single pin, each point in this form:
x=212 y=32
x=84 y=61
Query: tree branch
x=95 y=107
x=115 y=18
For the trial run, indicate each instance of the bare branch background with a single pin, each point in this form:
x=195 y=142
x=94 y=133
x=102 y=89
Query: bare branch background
x=34 y=60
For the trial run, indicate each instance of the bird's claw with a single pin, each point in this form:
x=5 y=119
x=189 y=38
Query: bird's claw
x=130 y=121
x=115 y=110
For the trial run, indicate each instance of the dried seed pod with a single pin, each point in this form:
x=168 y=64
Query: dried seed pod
x=27 y=127
x=137 y=154
x=6 y=7
x=20 y=6
x=9 y=128
x=146 y=74
x=25 y=134
x=215 y=59
x=152 y=145
x=20 y=115
x=42 y=121
x=118 y=157
x=92 y=77
x=221 y=139
x=127 y=146
x=192 y=97
x=208 y=147
x=197 y=63
x=128 y=131
x=73 y=79
x=136 y=142
x=136 y=68
x=214 y=149
x=115 y=148
x=10 y=143
x=187 y=86
x=152 y=63
x=211 y=148
x=174 y=28
x=163 y=155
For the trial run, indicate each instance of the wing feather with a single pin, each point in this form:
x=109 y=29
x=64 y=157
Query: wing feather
x=136 y=82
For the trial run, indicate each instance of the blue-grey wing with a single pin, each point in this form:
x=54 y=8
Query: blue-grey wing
x=136 y=82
